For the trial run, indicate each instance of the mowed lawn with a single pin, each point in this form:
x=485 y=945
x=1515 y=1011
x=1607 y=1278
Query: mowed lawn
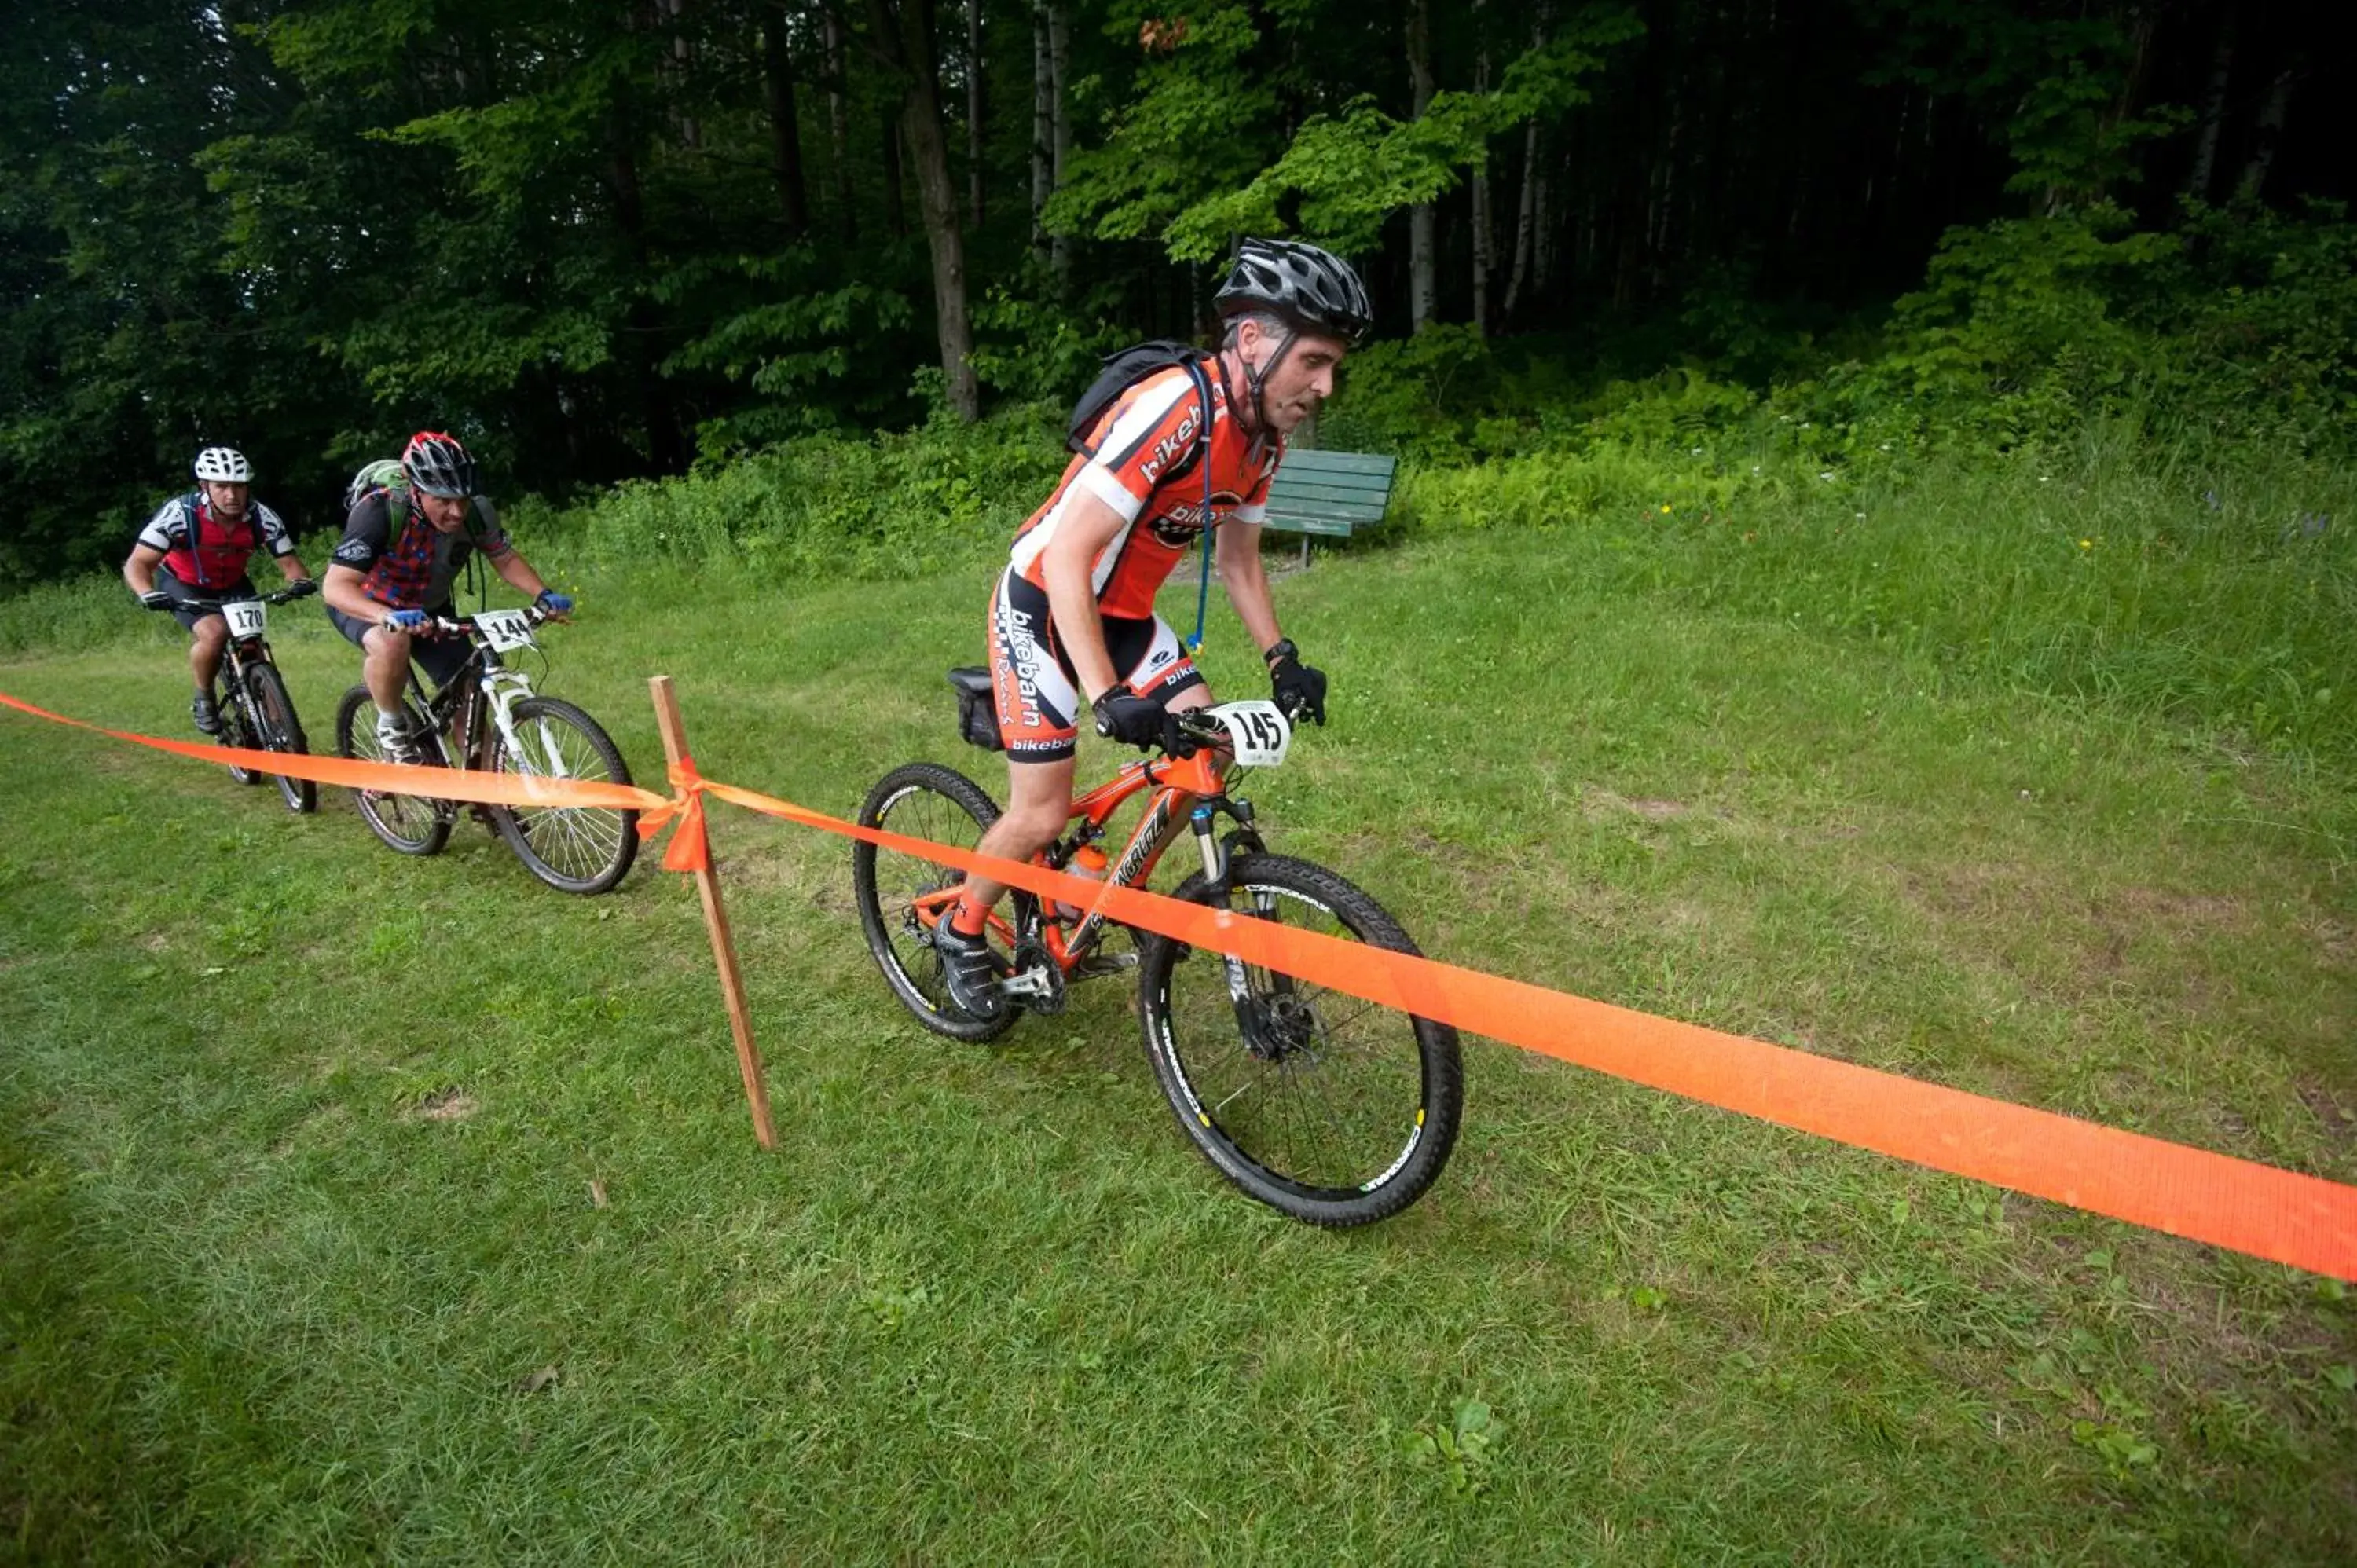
x=355 y=1207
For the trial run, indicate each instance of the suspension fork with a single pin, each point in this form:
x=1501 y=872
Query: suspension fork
x=1218 y=856
x=500 y=689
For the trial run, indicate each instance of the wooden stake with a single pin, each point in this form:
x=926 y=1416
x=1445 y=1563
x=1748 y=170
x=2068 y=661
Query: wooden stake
x=724 y=946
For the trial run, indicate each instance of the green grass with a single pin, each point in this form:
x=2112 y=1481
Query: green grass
x=302 y=1145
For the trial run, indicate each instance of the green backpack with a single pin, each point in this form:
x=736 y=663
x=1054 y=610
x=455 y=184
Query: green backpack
x=385 y=474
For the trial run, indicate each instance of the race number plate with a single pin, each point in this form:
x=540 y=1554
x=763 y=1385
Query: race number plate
x=1257 y=728
x=504 y=629
x=246 y=618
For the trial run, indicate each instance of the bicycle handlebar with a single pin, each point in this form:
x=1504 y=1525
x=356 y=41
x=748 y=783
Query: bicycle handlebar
x=302 y=590
x=442 y=625
x=1209 y=732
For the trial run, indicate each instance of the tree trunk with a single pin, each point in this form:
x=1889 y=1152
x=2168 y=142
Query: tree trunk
x=2268 y=132
x=904 y=31
x=1043 y=126
x=974 y=110
x=896 y=206
x=1059 y=129
x=682 y=65
x=1480 y=194
x=1421 y=285
x=785 y=122
x=665 y=449
x=2213 y=111
x=1518 y=278
x=838 y=123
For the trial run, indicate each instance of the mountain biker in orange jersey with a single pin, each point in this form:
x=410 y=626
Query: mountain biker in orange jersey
x=194 y=550
x=1072 y=618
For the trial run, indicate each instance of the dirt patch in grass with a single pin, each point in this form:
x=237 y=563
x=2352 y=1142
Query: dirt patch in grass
x=450 y=1104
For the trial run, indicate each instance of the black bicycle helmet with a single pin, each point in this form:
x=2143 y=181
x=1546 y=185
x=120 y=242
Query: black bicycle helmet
x=1310 y=289
x=439 y=466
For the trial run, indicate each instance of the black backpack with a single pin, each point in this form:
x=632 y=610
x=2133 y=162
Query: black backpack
x=1123 y=370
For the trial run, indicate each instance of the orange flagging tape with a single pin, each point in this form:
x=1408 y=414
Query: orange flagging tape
x=385 y=777
x=2278 y=1215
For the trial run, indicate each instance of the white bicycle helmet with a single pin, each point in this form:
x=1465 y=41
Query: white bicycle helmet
x=224 y=466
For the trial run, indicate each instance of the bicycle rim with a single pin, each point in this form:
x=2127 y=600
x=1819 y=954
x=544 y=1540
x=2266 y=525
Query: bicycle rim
x=577 y=849
x=1326 y=1106
x=412 y=824
x=926 y=802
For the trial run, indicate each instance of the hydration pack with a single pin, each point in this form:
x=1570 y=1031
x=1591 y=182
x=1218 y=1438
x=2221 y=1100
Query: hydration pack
x=1124 y=369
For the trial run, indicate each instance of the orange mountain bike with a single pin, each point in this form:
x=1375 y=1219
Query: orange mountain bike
x=1332 y=1109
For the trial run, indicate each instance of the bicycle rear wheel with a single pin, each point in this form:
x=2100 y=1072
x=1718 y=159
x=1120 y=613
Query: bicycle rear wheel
x=574 y=849
x=410 y=823
x=1329 y=1108
x=273 y=714
x=924 y=801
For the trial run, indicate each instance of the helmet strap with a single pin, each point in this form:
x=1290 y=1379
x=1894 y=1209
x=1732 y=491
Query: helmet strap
x=1254 y=379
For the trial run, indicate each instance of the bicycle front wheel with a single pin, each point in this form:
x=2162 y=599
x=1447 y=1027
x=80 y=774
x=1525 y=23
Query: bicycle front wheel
x=236 y=727
x=923 y=800
x=574 y=849
x=273 y=716
x=410 y=823
x=1326 y=1107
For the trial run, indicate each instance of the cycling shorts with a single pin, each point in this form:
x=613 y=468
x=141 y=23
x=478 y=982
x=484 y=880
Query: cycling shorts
x=182 y=593
x=1034 y=687
x=440 y=657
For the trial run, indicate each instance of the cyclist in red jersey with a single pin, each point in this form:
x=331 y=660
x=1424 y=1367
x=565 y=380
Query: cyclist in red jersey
x=1072 y=618
x=194 y=550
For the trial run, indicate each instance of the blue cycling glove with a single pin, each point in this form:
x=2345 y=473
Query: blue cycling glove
x=407 y=620
x=554 y=603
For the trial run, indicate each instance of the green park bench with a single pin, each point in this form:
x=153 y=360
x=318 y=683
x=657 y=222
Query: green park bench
x=1331 y=493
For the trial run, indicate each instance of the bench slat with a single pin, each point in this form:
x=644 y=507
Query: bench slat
x=1281 y=493
x=1359 y=509
x=1338 y=528
x=1312 y=460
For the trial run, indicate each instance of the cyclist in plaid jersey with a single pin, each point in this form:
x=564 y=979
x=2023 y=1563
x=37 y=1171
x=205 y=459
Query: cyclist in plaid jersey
x=403 y=549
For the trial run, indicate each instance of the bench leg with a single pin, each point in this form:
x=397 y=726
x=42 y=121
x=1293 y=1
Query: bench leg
x=1305 y=553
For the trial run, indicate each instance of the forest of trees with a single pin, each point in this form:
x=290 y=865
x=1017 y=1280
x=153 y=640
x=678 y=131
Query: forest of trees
x=604 y=238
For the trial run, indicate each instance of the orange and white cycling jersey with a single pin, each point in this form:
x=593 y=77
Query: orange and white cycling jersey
x=1149 y=427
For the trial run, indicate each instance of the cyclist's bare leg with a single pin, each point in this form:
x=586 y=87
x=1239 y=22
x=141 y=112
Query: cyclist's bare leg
x=209 y=640
x=1039 y=804
x=386 y=670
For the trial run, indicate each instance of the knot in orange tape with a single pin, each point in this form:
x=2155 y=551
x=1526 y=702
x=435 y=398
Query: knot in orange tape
x=690 y=849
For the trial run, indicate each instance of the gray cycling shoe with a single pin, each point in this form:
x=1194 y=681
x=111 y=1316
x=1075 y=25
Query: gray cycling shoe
x=969 y=972
x=396 y=741
x=205 y=713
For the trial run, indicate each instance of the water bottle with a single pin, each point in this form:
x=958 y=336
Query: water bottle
x=1087 y=861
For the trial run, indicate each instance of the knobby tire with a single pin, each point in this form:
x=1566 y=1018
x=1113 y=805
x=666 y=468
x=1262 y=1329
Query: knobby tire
x=413 y=824
x=574 y=849
x=274 y=711
x=1341 y=1112
x=925 y=801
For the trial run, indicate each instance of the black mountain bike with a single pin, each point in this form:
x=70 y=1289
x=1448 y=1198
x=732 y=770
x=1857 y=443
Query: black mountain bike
x=493 y=722
x=256 y=712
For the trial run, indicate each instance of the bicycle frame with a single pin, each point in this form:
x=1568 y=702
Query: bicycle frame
x=1190 y=790
x=484 y=680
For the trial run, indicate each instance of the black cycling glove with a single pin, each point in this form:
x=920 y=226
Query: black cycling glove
x=1300 y=690
x=1135 y=721
x=156 y=599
